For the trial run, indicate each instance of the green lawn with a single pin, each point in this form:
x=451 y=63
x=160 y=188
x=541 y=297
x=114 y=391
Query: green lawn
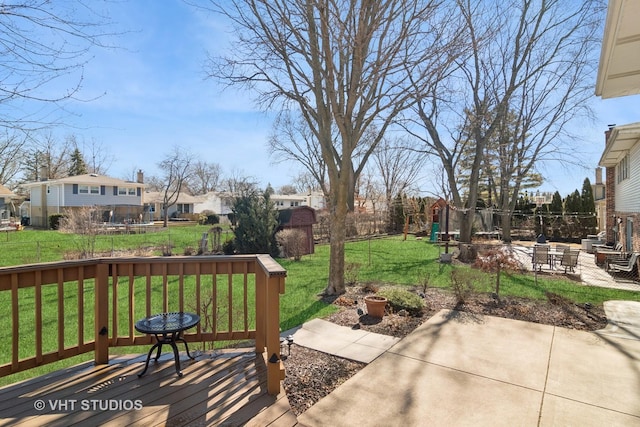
x=30 y=246
x=383 y=261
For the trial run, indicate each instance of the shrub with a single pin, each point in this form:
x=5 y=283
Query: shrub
x=370 y=287
x=209 y=218
x=293 y=243
x=497 y=260
x=82 y=222
x=351 y=273
x=167 y=249
x=229 y=247
x=402 y=299
x=54 y=221
x=462 y=284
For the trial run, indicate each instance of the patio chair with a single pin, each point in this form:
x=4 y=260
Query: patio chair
x=603 y=254
x=559 y=252
x=624 y=267
x=570 y=260
x=540 y=256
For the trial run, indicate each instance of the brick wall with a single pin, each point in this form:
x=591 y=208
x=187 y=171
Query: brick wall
x=610 y=195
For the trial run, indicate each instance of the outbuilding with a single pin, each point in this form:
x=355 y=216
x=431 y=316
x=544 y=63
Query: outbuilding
x=301 y=218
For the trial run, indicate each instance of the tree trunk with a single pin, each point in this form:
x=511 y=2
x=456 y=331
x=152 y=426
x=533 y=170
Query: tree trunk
x=337 y=227
x=466 y=225
x=505 y=221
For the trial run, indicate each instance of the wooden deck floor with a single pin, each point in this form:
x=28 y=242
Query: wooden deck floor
x=225 y=388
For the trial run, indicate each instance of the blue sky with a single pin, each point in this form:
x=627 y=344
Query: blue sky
x=153 y=94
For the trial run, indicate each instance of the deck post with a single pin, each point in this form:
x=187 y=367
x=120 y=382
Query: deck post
x=101 y=351
x=261 y=308
x=275 y=368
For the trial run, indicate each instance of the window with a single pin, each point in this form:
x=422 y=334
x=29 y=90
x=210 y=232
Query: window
x=183 y=208
x=126 y=191
x=88 y=189
x=623 y=168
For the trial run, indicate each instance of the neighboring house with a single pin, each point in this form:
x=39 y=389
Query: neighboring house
x=7 y=198
x=118 y=201
x=219 y=203
x=287 y=201
x=619 y=75
x=314 y=200
x=153 y=201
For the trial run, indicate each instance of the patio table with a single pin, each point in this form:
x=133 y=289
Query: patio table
x=168 y=329
x=553 y=255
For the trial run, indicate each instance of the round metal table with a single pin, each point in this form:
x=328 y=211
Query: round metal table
x=167 y=328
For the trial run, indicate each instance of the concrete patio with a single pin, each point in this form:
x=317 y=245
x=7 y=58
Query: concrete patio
x=461 y=369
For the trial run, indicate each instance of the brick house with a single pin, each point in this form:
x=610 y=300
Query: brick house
x=619 y=75
x=621 y=158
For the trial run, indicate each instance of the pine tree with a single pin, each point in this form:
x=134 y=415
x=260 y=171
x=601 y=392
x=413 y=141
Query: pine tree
x=256 y=222
x=556 y=210
x=78 y=166
x=573 y=208
x=588 y=212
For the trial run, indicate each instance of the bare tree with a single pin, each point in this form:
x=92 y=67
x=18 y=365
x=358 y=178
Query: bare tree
x=98 y=158
x=204 y=177
x=12 y=154
x=154 y=183
x=305 y=183
x=526 y=56
x=47 y=158
x=288 y=189
x=44 y=43
x=343 y=67
x=238 y=184
x=292 y=139
x=399 y=166
x=175 y=168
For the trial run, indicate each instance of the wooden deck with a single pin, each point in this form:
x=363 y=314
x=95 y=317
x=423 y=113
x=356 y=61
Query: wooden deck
x=227 y=388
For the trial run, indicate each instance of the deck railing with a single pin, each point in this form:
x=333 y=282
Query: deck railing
x=62 y=309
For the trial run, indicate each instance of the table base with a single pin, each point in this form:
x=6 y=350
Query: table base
x=171 y=340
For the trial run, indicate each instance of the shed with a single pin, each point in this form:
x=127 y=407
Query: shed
x=302 y=218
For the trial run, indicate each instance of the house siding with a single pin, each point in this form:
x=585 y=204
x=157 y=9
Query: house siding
x=106 y=198
x=54 y=197
x=627 y=191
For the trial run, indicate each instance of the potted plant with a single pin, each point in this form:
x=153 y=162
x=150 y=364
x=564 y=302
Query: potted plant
x=375 y=305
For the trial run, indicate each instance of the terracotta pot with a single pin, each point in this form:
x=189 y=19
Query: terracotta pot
x=375 y=305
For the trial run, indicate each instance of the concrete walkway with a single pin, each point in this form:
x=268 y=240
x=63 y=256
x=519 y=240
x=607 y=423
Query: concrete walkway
x=348 y=343
x=460 y=369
